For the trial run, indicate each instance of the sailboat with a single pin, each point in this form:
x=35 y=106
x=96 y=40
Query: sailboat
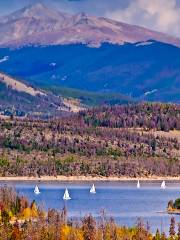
x=93 y=189
x=36 y=190
x=66 y=195
x=163 y=185
x=138 y=184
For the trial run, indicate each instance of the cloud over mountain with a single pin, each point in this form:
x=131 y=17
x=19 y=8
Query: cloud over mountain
x=161 y=15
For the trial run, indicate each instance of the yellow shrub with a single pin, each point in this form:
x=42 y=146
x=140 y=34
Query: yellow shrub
x=75 y=234
x=26 y=214
x=70 y=233
x=34 y=211
x=64 y=232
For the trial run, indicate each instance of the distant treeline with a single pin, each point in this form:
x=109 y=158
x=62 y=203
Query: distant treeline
x=105 y=141
x=162 y=117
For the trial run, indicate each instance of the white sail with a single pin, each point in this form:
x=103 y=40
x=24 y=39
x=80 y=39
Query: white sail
x=93 y=189
x=138 y=184
x=36 y=190
x=66 y=195
x=163 y=185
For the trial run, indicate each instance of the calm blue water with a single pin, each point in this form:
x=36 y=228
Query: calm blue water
x=120 y=200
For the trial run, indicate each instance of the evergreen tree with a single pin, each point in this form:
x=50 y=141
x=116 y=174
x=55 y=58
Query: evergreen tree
x=163 y=236
x=172 y=228
x=157 y=236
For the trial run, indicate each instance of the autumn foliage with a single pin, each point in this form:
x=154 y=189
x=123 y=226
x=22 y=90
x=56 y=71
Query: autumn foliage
x=21 y=220
x=124 y=140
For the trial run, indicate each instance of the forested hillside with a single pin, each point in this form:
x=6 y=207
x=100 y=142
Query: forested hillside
x=163 y=117
x=107 y=141
x=17 y=98
x=142 y=71
x=21 y=104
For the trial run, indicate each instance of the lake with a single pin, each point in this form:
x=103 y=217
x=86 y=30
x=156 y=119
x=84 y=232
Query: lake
x=120 y=200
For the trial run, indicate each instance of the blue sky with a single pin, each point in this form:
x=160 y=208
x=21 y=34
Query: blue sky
x=160 y=15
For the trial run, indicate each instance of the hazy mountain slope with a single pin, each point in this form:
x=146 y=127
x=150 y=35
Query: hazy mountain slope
x=39 y=24
x=19 y=86
x=89 y=98
x=18 y=98
x=148 y=71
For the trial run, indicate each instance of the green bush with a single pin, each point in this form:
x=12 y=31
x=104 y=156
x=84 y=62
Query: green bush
x=177 y=203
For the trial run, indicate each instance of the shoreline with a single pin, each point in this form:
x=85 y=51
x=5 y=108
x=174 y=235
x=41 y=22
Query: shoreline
x=88 y=178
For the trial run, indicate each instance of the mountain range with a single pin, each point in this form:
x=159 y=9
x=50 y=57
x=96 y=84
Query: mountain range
x=94 y=55
x=39 y=24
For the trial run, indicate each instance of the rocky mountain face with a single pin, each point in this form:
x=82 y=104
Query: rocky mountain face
x=40 y=25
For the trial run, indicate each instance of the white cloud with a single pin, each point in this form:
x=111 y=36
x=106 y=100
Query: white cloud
x=160 y=15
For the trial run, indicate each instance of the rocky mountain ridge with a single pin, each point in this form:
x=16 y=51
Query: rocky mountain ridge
x=40 y=25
